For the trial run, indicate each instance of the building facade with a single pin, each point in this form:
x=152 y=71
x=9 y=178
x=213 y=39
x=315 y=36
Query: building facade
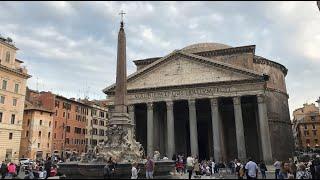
x=36 y=136
x=71 y=124
x=306 y=127
x=211 y=100
x=12 y=96
x=97 y=124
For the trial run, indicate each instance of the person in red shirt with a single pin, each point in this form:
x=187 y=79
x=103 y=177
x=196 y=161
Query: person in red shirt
x=12 y=170
x=53 y=171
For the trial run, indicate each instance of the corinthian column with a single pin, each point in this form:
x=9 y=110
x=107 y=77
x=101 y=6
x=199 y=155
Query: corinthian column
x=170 y=129
x=239 y=128
x=150 y=129
x=264 y=129
x=216 y=121
x=193 y=127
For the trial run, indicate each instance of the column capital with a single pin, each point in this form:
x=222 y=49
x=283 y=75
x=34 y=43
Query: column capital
x=149 y=105
x=131 y=107
x=236 y=100
x=191 y=102
x=169 y=104
x=260 y=98
x=214 y=101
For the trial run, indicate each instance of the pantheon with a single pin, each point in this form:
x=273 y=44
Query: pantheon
x=211 y=100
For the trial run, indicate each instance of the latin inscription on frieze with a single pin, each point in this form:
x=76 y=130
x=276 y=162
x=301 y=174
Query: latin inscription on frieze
x=184 y=93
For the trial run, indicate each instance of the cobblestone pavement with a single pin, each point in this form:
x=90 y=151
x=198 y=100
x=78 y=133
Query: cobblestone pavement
x=270 y=175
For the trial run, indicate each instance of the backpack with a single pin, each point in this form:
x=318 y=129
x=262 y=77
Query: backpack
x=238 y=168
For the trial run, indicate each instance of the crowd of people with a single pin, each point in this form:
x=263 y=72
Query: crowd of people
x=298 y=170
x=250 y=169
x=31 y=170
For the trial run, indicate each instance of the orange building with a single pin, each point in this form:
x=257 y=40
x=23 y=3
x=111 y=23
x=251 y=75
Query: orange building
x=36 y=136
x=306 y=126
x=69 y=122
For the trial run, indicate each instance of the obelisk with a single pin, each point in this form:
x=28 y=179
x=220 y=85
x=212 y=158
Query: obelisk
x=120 y=114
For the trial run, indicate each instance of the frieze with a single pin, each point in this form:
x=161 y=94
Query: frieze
x=182 y=92
x=196 y=92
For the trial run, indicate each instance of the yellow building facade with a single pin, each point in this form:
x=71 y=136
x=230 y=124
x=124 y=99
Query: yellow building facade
x=306 y=126
x=13 y=78
x=36 y=137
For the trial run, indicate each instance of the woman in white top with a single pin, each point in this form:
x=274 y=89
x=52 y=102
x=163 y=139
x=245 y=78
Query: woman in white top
x=42 y=173
x=134 y=171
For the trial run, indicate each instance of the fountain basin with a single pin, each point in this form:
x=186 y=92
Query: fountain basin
x=78 y=170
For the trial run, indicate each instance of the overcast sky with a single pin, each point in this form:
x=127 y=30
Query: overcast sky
x=70 y=47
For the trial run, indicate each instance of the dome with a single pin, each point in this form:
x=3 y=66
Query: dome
x=201 y=47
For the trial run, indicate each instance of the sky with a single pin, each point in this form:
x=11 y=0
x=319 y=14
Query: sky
x=69 y=48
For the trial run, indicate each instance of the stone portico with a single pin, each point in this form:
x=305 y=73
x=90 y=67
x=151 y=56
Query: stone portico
x=211 y=100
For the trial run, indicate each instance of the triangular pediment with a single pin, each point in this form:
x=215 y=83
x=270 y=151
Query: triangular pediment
x=184 y=71
x=180 y=68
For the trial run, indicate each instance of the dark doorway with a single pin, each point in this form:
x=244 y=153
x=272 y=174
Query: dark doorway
x=181 y=126
x=204 y=126
x=141 y=124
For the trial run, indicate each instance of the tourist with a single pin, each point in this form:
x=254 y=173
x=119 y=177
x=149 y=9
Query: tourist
x=29 y=174
x=196 y=167
x=3 y=170
x=277 y=166
x=106 y=172
x=213 y=164
x=184 y=158
x=12 y=170
x=174 y=159
x=18 y=168
x=180 y=166
x=112 y=166
x=149 y=168
x=293 y=167
x=134 y=171
x=190 y=165
x=48 y=166
x=53 y=171
x=284 y=171
x=316 y=167
x=302 y=173
x=252 y=169
x=165 y=157
x=238 y=168
x=208 y=172
x=263 y=169
x=42 y=173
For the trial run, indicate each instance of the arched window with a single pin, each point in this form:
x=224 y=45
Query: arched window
x=8 y=56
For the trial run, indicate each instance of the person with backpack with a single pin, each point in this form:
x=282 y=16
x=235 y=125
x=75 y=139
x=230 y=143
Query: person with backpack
x=263 y=169
x=277 y=166
x=237 y=169
x=302 y=173
x=4 y=170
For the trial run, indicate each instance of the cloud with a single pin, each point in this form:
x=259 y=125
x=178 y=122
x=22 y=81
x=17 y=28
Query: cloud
x=71 y=46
